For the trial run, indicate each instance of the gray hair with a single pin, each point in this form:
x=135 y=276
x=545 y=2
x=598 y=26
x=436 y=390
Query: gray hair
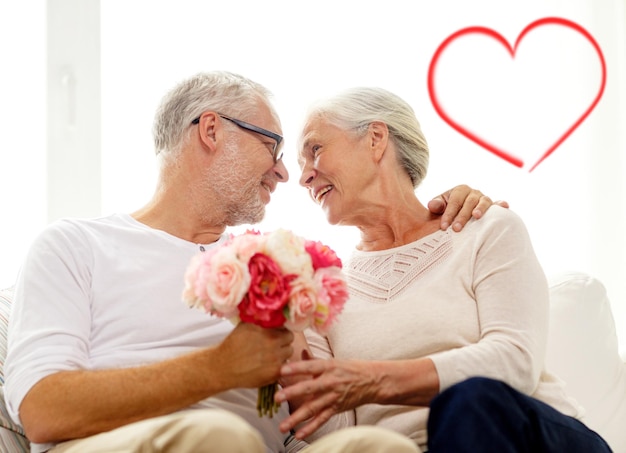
x=356 y=108
x=219 y=91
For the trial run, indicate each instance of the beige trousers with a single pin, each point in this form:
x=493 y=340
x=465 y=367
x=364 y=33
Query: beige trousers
x=217 y=431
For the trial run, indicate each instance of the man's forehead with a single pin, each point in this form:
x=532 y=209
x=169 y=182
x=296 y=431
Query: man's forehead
x=265 y=113
x=274 y=120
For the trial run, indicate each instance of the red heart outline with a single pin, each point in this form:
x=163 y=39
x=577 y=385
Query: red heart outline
x=498 y=37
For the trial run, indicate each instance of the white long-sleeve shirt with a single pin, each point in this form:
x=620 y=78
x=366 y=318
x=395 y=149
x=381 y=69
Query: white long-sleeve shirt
x=475 y=302
x=107 y=293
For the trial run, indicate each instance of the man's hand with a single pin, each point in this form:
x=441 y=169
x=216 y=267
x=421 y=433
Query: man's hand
x=251 y=355
x=460 y=204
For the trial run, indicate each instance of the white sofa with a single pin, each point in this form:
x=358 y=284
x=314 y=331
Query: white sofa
x=582 y=350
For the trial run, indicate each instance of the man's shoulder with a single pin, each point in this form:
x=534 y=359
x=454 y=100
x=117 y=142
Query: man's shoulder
x=89 y=223
x=73 y=229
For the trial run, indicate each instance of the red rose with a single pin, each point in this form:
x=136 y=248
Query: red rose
x=268 y=294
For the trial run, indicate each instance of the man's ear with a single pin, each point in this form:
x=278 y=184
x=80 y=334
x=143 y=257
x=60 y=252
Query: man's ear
x=209 y=129
x=378 y=137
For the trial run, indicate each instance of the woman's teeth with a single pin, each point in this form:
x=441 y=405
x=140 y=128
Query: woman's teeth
x=321 y=193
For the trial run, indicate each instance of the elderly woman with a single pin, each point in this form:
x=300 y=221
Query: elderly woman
x=444 y=336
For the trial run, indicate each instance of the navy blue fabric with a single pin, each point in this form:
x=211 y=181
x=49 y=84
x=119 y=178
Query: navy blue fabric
x=484 y=415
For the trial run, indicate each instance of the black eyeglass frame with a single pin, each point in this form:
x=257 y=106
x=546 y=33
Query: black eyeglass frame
x=276 y=153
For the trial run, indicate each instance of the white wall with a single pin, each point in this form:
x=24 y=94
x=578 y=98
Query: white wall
x=22 y=130
x=573 y=203
x=74 y=112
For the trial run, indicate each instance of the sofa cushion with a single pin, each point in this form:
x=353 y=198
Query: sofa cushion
x=583 y=351
x=12 y=437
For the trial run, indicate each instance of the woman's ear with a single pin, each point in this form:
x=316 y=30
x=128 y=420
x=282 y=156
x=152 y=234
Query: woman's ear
x=378 y=137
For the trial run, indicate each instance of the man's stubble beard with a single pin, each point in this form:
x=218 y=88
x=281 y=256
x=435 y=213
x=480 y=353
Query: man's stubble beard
x=238 y=195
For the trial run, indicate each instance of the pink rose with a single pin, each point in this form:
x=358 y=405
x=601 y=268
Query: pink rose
x=321 y=255
x=332 y=294
x=268 y=294
x=189 y=292
x=247 y=244
x=302 y=303
x=194 y=293
x=222 y=282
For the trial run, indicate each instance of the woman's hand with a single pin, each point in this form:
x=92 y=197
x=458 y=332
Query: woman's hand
x=459 y=204
x=329 y=387
x=324 y=388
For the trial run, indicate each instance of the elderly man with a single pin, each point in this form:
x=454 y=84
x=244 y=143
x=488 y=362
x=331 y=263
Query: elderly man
x=103 y=355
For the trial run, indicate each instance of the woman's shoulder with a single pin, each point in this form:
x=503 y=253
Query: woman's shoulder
x=499 y=215
x=497 y=218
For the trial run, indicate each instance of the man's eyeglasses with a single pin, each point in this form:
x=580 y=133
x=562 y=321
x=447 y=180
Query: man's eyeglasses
x=276 y=153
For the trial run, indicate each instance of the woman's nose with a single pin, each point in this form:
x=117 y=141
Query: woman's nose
x=307 y=176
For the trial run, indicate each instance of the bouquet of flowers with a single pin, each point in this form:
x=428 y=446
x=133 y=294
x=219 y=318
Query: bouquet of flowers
x=273 y=280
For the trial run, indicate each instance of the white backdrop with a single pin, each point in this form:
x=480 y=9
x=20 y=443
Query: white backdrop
x=573 y=203
x=22 y=130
